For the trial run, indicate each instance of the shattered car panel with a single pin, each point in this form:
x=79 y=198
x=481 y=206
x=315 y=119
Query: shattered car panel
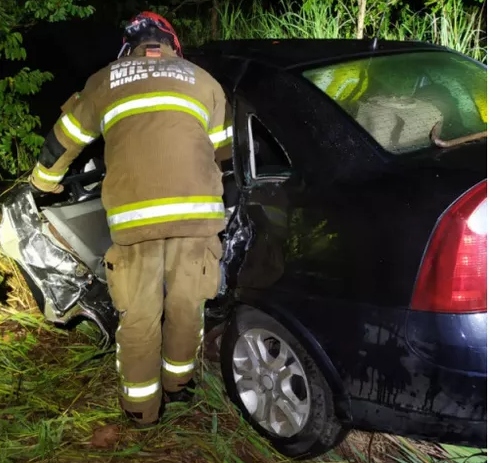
x=62 y=278
x=236 y=242
x=67 y=285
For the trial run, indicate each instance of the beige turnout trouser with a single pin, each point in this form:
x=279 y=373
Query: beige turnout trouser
x=147 y=356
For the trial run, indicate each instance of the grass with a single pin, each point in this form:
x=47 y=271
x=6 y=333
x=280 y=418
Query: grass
x=448 y=23
x=58 y=403
x=58 y=393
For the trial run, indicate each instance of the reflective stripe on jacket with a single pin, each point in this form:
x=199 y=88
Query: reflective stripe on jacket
x=166 y=126
x=153 y=102
x=165 y=210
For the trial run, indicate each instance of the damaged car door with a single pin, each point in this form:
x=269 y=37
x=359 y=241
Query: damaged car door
x=261 y=165
x=59 y=243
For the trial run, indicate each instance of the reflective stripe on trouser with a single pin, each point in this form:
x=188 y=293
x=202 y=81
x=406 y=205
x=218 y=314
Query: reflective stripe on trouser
x=135 y=279
x=136 y=275
x=193 y=276
x=179 y=373
x=140 y=392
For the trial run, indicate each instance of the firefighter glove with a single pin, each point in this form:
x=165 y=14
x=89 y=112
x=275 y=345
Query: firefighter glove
x=43 y=186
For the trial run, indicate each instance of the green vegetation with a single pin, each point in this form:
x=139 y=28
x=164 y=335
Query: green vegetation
x=58 y=396
x=58 y=403
x=465 y=454
x=19 y=142
x=446 y=22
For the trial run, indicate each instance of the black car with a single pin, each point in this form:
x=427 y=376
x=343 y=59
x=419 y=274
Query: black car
x=354 y=286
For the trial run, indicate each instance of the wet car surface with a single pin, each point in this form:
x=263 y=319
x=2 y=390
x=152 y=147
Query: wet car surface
x=343 y=215
x=333 y=232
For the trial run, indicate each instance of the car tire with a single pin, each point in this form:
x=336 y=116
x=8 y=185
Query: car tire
x=289 y=381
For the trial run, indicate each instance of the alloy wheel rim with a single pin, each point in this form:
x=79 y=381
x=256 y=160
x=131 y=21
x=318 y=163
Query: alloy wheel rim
x=271 y=382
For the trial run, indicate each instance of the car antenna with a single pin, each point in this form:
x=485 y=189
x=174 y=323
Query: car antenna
x=374 y=43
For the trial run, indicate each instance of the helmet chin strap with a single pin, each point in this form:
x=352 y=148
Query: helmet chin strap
x=123 y=51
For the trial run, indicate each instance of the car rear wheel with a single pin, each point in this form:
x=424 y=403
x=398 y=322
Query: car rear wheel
x=277 y=386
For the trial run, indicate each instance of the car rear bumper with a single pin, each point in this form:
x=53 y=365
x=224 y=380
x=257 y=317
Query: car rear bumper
x=436 y=389
x=419 y=425
x=453 y=342
x=447 y=361
x=437 y=405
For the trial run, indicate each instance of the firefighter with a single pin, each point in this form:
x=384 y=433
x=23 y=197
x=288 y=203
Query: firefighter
x=164 y=123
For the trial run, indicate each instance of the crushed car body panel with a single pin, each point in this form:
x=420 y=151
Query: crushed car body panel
x=67 y=285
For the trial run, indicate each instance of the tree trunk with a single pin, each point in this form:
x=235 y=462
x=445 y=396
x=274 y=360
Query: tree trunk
x=214 y=20
x=360 y=18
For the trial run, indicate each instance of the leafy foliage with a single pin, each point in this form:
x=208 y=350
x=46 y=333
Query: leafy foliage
x=448 y=23
x=451 y=23
x=19 y=143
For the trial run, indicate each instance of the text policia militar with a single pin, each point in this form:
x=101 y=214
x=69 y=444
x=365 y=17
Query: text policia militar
x=133 y=70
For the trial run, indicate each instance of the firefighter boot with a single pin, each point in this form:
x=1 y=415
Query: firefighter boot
x=144 y=426
x=184 y=395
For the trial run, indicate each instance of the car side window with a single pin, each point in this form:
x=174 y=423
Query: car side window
x=400 y=98
x=267 y=157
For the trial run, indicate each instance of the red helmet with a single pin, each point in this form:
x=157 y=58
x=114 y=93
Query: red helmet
x=150 y=26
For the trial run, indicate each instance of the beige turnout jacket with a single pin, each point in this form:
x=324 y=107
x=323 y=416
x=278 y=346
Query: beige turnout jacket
x=166 y=126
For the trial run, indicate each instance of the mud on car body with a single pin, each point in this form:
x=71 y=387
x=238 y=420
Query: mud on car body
x=354 y=266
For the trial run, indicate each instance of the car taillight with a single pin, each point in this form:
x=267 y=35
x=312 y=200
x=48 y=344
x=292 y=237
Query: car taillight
x=453 y=274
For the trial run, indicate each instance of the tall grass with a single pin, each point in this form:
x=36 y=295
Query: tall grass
x=448 y=23
x=459 y=29
x=58 y=391
x=56 y=388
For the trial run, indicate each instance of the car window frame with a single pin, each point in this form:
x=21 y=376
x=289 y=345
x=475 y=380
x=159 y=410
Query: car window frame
x=251 y=163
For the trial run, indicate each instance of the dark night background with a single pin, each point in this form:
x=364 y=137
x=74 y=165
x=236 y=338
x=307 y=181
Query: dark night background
x=60 y=395
x=73 y=50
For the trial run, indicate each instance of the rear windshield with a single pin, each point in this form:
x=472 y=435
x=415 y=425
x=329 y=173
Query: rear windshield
x=399 y=98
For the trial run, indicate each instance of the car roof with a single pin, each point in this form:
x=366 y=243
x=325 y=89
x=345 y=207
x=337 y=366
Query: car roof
x=289 y=53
